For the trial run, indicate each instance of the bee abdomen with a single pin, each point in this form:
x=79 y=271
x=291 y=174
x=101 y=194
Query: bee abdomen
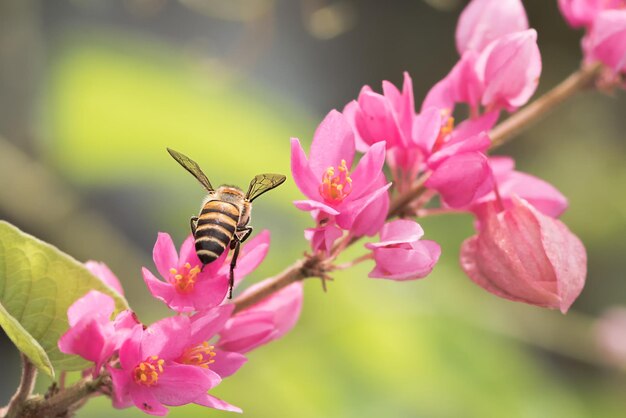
x=215 y=229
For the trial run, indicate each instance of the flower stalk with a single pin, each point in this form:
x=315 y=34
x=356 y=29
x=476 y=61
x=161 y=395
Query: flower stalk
x=27 y=382
x=539 y=108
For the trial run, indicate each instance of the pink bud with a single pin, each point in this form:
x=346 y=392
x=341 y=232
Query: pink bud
x=522 y=255
x=509 y=68
x=483 y=21
x=400 y=254
x=606 y=42
x=268 y=320
x=579 y=13
x=104 y=273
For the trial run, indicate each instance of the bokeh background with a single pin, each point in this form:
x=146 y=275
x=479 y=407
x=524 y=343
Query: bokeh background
x=92 y=91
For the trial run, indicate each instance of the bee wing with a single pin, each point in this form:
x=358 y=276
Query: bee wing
x=263 y=183
x=193 y=167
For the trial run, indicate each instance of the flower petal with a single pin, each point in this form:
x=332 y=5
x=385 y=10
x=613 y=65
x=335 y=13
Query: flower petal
x=166 y=338
x=94 y=304
x=144 y=399
x=367 y=170
x=510 y=68
x=164 y=254
x=215 y=403
x=398 y=232
x=310 y=205
x=209 y=292
x=333 y=141
x=104 y=273
x=483 y=21
x=204 y=325
x=305 y=179
x=165 y=292
x=227 y=363
x=180 y=384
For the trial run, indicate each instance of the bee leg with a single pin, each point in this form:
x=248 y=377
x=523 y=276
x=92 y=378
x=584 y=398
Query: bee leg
x=193 y=222
x=243 y=233
x=233 y=263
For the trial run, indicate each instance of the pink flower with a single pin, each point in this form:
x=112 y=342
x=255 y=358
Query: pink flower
x=400 y=254
x=504 y=74
x=188 y=287
x=383 y=117
x=606 y=41
x=541 y=195
x=354 y=199
x=391 y=117
x=323 y=236
x=268 y=320
x=509 y=69
x=104 y=273
x=170 y=363
x=581 y=13
x=483 y=21
x=92 y=335
x=522 y=255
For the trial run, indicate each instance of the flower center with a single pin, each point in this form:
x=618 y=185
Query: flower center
x=147 y=372
x=446 y=129
x=336 y=184
x=185 y=278
x=200 y=355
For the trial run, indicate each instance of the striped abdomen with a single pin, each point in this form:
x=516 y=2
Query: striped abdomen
x=216 y=226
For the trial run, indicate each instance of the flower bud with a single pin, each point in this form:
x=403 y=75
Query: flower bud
x=509 y=68
x=483 y=21
x=400 y=254
x=523 y=255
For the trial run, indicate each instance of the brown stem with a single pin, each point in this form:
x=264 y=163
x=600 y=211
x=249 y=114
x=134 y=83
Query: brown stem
x=530 y=114
x=297 y=271
x=311 y=267
x=27 y=382
x=62 y=403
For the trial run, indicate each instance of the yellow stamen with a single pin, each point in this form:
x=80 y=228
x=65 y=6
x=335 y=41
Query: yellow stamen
x=200 y=355
x=147 y=372
x=335 y=188
x=184 y=279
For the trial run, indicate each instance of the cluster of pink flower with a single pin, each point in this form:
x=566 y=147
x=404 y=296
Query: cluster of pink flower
x=177 y=360
x=521 y=251
x=605 y=34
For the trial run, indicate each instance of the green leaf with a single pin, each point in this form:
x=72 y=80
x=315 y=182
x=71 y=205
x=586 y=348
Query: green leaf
x=38 y=283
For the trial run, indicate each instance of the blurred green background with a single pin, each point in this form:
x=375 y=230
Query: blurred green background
x=92 y=91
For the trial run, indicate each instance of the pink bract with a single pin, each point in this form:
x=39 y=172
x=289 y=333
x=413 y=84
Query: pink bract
x=483 y=21
x=509 y=69
x=522 y=255
x=540 y=194
x=460 y=170
x=581 y=13
x=401 y=254
x=606 y=41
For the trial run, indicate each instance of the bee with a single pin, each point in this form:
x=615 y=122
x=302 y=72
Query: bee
x=225 y=214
